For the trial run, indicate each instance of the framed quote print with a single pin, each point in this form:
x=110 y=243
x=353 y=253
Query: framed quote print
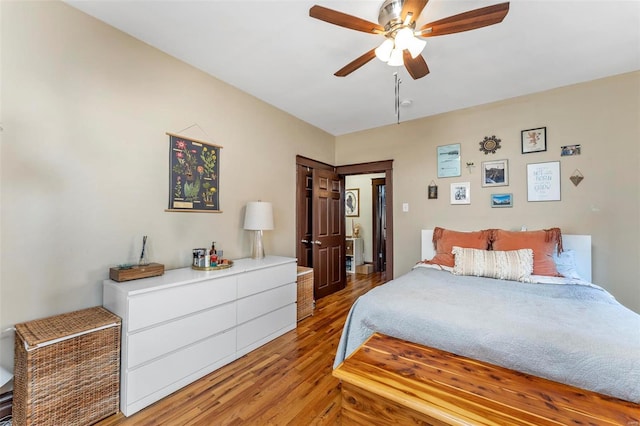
x=543 y=181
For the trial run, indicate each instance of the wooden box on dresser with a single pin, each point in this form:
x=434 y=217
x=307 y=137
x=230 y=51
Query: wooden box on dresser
x=185 y=324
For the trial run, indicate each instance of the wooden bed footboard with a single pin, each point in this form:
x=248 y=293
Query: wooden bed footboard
x=391 y=381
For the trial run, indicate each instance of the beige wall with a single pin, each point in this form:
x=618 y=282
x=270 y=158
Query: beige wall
x=84 y=155
x=84 y=160
x=602 y=116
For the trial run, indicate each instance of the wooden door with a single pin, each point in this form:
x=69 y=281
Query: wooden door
x=328 y=233
x=304 y=216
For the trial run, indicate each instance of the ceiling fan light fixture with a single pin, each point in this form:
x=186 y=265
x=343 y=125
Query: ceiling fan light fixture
x=416 y=46
x=396 y=59
x=383 y=52
x=403 y=38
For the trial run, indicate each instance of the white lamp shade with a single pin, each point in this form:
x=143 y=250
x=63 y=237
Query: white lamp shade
x=403 y=38
x=396 y=59
x=384 y=50
x=258 y=216
x=416 y=46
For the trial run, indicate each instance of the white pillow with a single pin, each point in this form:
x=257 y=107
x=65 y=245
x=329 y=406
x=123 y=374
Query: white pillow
x=566 y=264
x=514 y=265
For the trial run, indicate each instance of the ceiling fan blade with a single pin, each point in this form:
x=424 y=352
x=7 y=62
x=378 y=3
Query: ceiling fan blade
x=417 y=66
x=355 y=64
x=343 y=20
x=466 y=21
x=413 y=6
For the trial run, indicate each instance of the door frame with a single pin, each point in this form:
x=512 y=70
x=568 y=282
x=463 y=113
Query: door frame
x=385 y=167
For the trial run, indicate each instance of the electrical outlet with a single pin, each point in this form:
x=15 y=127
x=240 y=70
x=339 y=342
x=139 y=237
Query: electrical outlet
x=405 y=207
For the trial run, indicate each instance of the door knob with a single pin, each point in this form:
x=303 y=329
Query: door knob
x=304 y=241
x=317 y=242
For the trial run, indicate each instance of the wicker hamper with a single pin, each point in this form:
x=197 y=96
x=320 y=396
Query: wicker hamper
x=305 y=292
x=67 y=369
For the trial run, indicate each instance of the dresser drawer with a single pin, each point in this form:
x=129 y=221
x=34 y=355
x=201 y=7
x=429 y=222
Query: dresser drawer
x=262 y=327
x=259 y=304
x=153 y=342
x=163 y=374
x=163 y=305
x=265 y=279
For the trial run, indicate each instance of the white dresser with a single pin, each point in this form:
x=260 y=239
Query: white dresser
x=185 y=324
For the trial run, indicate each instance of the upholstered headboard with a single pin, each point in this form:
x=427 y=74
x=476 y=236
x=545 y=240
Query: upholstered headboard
x=581 y=244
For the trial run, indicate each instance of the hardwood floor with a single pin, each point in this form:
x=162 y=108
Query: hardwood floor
x=285 y=382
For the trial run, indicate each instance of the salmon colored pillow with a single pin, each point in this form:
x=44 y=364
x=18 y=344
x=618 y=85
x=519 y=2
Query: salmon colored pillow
x=444 y=240
x=543 y=243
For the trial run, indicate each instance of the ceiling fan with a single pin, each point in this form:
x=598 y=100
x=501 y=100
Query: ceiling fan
x=397 y=23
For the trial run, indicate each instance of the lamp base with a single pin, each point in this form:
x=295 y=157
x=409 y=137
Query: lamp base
x=257 y=251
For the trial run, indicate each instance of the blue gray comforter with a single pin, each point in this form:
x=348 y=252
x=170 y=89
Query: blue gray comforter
x=574 y=334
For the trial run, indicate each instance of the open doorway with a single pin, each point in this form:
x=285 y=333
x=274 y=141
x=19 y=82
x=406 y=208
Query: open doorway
x=377 y=178
x=365 y=223
x=321 y=228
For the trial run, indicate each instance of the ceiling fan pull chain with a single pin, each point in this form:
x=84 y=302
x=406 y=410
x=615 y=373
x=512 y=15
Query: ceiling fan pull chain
x=397 y=100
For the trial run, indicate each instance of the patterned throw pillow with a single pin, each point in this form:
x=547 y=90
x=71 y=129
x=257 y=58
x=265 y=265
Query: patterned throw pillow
x=543 y=242
x=514 y=265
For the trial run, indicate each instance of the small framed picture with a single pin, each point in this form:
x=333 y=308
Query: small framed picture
x=534 y=140
x=352 y=203
x=461 y=193
x=502 y=200
x=432 y=191
x=570 y=150
x=495 y=173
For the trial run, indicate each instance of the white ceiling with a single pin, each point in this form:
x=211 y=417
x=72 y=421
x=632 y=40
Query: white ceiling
x=273 y=50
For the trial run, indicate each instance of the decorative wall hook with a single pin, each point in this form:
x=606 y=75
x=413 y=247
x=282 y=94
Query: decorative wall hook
x=470 y=167
x=576 y=177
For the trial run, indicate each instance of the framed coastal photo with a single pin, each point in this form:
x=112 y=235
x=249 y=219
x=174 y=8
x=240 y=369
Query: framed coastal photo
x=543 y=181
x=461 y=193
x=495 y=173
x=448 y=160
x=534 y=140
x=501 y=200
x=352 y=203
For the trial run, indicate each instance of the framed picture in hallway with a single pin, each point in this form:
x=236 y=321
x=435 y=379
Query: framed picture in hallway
x=352 y=203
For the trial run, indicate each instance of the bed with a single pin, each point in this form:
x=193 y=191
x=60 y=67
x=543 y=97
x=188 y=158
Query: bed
x=567 y=329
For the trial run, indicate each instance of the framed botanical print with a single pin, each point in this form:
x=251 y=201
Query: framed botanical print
x=194 y=175
x=352 y=203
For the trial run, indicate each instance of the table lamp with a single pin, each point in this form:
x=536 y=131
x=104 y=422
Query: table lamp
x=258 y=217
